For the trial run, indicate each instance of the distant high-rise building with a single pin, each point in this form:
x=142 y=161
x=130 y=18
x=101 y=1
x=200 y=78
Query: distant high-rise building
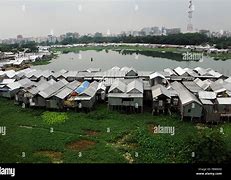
x=190 y=16
x=206 y=32
x=19 y=37
x=98 y=34
x=173 y=31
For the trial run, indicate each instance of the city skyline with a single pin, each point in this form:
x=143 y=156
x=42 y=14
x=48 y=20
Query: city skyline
x=36 y=18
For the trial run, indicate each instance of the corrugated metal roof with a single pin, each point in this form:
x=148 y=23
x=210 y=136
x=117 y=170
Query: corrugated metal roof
x=170 y=71
x=118 y=85
x=63 y=93
x=184 y=95
x=156 y=74
x=33 y=91
x=109 y=81
x=2 y=73
x=46 y=93
x=203 y=84
x=24 y=81
x=217 y=87
x=63 y=81
x=221 y=81
x=228 y=93
x=71 y=74
x=29 y=85
x=59 y=73
x=180 y=71
x=85 y=74
x=90 y=91
x=36 y=74
x=135 y=84
x=21 y=75
x=228 y=80
x=192 y=86
x=144 y=73
x=26 y=71
x=52 y=81
x=225 y=101
x=44 y=86
x=30 y=74
x=158 y=90
x=214 y=73
x=113 y=74
x=47 y=73
x=207 y=95
x=173 y=92
x=10 y=73
x=101 y=86
x=191 y=72
x=125 y=95
x=93 y=70
x=208 y=81
x=227 y=86
x=7 y=81
x=99 y=74
x=206 y=102
x=63 y=71
x=94 y=84
x=125 y=68
x=13 y=86
x=201 y=71
x=73 y=85
x=165 y=74
x=128 y=70
x=115 y=68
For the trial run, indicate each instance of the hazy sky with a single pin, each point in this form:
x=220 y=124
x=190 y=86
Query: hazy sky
x=41 y=17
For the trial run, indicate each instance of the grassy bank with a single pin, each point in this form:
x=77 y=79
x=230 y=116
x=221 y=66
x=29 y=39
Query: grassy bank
x=128 y=48
x=222 y=56
x=41 y=62
x=44 y=61
x=101 y=136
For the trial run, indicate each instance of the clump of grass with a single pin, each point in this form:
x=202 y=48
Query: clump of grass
x=54 y=117
x=97 y=115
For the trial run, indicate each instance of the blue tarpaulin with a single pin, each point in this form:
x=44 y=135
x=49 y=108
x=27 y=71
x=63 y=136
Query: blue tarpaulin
x=82 y=87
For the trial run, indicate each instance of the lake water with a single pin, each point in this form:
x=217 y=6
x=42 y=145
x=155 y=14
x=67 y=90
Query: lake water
x=143 y=62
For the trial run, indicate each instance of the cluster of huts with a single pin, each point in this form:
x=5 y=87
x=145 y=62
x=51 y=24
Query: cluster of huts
x=195 y=94
x=9 y=59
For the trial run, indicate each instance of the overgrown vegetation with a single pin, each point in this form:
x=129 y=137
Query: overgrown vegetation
x=175 y=39
x=23 y=46
x=123 y=138
x=45 y=61
x=209 y=148
x=54 y=117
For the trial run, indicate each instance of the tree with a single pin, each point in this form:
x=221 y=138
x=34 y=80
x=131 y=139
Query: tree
x=208 y=148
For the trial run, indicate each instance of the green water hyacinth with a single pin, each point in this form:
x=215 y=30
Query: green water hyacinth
x=54 y=117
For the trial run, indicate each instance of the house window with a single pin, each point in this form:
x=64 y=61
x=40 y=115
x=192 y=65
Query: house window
x=193 y=105
x=161 y=103
x=127 y=99
x=175 y=101
x=189 y=111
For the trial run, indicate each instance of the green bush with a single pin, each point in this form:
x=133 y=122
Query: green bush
x=209 y=148
x=54 y=117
